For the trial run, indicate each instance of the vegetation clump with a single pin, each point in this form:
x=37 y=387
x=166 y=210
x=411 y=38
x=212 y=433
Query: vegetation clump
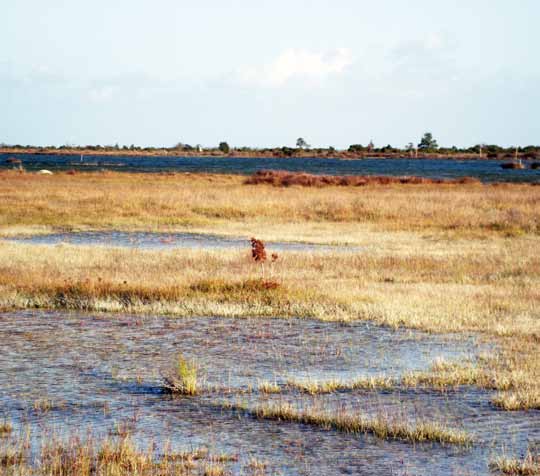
x=380 y=426
x=281 y=178
x=120 y=457
x=5 y=428
x=529 y=465
x=258 y=250
x=184 y=380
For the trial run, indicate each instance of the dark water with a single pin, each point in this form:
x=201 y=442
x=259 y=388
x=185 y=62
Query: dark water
x=98 y=370
x=149 y=240
x=485 y=170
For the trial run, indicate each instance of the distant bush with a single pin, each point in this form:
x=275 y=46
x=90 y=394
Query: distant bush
x=280 y=178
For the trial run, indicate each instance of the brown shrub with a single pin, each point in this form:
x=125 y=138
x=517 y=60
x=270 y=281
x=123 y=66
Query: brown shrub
x=281 y=178
x=258 y=251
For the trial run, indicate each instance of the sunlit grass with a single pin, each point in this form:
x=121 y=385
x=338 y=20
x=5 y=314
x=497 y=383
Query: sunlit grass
x=120 y=457
x=381 y=426
x=222 y=204
x=184 y=380
x=264 y=386
x=314 y=387
x=529 y=465
x=6 y=427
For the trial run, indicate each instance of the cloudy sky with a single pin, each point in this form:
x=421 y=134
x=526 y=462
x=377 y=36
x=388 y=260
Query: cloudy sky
x=262 y=73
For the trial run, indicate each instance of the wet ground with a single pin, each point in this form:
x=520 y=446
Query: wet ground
x=150 y=240
x=79 y=372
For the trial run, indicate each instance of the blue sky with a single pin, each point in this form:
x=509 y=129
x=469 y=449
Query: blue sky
x=263 y=73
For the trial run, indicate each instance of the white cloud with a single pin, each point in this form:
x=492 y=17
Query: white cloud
x=297 y=63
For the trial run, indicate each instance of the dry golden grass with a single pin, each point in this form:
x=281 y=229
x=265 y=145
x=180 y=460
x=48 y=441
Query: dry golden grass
x=222 y=204
x=120 y=457
x=5 y=428
x=314 y=387
x=527 y=466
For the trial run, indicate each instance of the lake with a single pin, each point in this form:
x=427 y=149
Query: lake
x=485 y=170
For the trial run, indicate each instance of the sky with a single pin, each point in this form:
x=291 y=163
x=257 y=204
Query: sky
x=263 y=73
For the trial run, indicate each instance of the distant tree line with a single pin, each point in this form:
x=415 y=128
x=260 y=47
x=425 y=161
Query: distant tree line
x=425 y=146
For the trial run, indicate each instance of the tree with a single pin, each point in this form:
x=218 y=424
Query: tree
x=356 y=148
x=428 y=143
x=224 y=147
x=301 y=143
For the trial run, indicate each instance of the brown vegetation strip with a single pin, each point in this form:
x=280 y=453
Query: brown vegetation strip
x=282 y=178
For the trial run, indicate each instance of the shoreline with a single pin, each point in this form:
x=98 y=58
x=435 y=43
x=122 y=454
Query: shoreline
x=167 y=153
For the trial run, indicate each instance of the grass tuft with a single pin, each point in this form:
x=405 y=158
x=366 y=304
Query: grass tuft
x=184 y=379
x=521 y=399
x=264 y=386
x=527 y=466
x=6 y=428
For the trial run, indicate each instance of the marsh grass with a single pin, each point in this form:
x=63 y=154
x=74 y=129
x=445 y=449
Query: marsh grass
x=6 y=427
x=184 y=379
x=517 y=384
x=265 y=386
x=529 y=465
x=11 y=456
x=111 y=457
x=381 y=426
x=454 y=258
x=527 y=398
x=314 y=387
x=257 y=467
x=485 y=291
x=222 y=204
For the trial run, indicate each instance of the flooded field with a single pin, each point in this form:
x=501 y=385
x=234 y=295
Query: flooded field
x=71 y=373
x=149 y=240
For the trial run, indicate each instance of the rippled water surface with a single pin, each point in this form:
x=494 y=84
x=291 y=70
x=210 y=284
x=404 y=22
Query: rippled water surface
x=98 y=370
x=485 y=170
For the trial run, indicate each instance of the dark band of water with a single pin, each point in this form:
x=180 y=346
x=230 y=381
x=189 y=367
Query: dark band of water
x=485 y=170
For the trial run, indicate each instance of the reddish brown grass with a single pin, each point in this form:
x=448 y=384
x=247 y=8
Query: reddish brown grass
x=281 y=178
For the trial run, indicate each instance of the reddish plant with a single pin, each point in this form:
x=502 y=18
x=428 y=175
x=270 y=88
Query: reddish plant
x=258 y=251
